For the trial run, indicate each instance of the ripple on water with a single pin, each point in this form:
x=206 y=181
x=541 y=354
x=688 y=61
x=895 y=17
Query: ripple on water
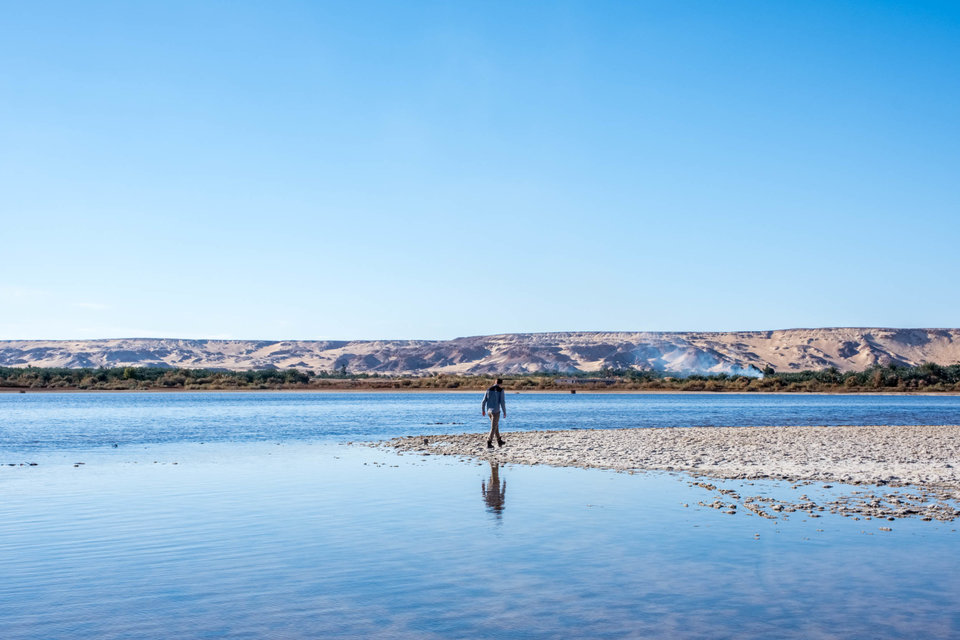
x=320 y=541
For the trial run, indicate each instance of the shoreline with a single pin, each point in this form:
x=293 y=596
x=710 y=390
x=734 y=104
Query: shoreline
x=888 y=471
x=479 y=392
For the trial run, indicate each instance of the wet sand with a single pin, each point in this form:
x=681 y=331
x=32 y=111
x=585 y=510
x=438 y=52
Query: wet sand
x=921 y=462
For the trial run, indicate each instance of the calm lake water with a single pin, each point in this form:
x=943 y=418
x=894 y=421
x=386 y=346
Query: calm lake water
x=247 y=516
x=46 y=421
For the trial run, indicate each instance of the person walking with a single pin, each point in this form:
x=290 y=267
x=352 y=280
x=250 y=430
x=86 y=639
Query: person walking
x=494 y=400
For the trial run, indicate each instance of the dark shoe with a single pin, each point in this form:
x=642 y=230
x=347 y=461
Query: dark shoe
x=500 y=442
x=489 y=445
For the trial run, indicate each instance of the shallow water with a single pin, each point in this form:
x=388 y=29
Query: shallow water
x=256 y=536
x=51 y=421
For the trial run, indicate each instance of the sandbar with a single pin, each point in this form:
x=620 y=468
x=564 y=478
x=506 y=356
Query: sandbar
x=922 y=460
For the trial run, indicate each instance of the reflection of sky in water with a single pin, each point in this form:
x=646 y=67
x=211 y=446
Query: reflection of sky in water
x=45 y=421
x=298 y=540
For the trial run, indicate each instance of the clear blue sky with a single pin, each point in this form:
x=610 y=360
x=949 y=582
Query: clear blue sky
x=429 y=170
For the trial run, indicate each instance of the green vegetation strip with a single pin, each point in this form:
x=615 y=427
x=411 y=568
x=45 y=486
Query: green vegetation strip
x=927 y=377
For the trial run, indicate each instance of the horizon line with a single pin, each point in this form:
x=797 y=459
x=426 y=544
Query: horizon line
x=486 y=335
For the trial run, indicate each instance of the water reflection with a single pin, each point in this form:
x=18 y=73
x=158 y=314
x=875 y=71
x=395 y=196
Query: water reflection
x=494 y=491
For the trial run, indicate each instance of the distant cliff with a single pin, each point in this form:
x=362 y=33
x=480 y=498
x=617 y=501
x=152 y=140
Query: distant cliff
x=747 y=352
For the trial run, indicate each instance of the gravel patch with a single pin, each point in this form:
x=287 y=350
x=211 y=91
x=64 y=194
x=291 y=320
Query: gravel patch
x=908 y=471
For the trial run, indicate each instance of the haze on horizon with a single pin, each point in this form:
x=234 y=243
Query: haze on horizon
x=431 y=170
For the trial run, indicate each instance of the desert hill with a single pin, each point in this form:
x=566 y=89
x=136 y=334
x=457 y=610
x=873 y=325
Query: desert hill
x=747 y=352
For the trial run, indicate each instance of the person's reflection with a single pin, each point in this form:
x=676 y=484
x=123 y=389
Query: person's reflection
x=494 y=492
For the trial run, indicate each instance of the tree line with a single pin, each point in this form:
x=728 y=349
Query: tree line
x=927 y=377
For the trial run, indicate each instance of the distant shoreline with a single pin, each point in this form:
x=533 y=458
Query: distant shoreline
x=924 y=378
x=374 y=390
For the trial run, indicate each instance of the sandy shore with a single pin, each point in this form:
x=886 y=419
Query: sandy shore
x=922 y=460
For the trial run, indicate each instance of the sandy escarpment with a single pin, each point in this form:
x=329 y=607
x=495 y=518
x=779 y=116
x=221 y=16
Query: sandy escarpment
x=735 y=352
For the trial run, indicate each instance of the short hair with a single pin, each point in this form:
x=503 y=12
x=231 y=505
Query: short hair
x=499 y=380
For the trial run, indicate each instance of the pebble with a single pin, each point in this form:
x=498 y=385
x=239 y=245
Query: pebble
x=910 y=463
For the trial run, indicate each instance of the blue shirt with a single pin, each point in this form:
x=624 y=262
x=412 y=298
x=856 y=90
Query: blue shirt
x=494 y=400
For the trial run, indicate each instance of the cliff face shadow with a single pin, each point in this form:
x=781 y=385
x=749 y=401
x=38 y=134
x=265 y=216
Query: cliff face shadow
x=494 y=491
